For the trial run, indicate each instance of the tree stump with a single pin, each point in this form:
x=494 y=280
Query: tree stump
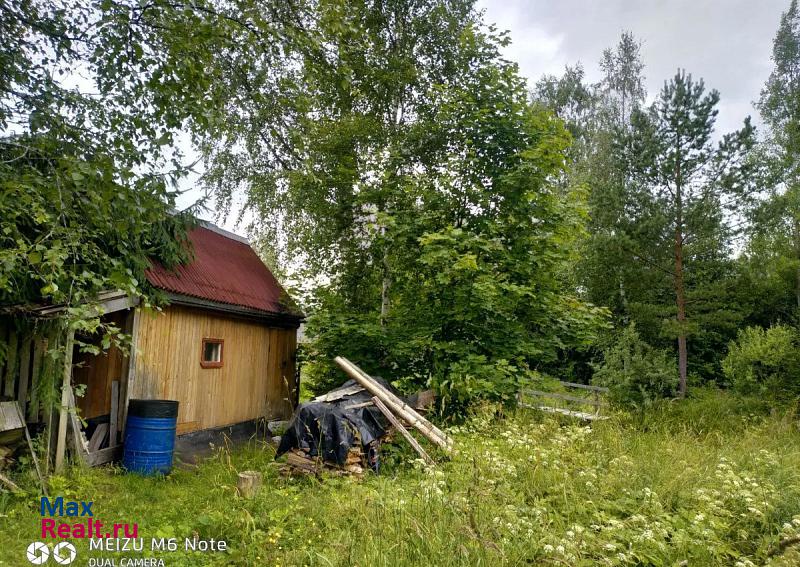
x=249 y=483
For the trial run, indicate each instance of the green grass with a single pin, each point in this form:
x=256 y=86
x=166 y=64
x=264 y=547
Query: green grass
x=714 y=480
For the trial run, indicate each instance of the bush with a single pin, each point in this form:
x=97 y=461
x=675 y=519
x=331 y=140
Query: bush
x=635 y=372
x=765 y=361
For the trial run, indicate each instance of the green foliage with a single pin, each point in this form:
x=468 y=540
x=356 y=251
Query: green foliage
x=420 y=191
x=635 y=372
x=85 y=178
x=647 y=184
x=765 y=362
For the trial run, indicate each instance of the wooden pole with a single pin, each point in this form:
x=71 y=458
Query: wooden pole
x=398 y=402
x=129 y=377
x=402 y=409
x=403 y=431
x=66 y=388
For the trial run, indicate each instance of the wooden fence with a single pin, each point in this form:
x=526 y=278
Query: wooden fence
x=593 y=397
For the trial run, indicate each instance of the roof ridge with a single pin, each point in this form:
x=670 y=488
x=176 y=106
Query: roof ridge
x=222 y=232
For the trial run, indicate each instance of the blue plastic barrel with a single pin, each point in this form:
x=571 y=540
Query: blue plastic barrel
x=150 y=436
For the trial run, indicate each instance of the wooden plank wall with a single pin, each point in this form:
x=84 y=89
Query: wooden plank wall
x=257 y=378
x=20 y=365
x=98 y=372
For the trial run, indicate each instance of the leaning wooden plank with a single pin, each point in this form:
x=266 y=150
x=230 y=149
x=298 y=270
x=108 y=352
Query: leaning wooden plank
x=33 y=452
x=134 y=320
x=98 y=437
x=398 y=402
x=11 y=364
x=421 y=424
x=61 y=443
x=403 y=431
x=24 y=373
x=80 y=443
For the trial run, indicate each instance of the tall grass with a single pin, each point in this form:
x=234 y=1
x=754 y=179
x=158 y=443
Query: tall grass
x=713 y=480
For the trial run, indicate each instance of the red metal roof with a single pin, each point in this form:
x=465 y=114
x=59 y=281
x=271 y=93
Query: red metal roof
x=224 y=270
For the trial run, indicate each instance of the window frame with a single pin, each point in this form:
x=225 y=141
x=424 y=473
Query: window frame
x=210 y=363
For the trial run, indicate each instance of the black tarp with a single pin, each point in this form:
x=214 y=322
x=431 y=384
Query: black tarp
x=328 y=428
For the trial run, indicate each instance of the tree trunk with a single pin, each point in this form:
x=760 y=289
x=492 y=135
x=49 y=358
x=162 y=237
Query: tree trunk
x=680 y=292
x=385 y=286
x=797 y=257
x=623 y=297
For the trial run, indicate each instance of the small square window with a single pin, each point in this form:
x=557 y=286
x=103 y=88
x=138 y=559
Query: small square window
x=211 y=353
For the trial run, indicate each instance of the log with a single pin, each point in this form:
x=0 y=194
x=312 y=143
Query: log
x=248 y=484
x=438 y=432
x=8 y=482
x=301 y=462
x=403 y=431
x=398 y=407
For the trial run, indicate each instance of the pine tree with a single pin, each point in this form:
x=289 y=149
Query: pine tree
x=673 y=158
x=780 y=107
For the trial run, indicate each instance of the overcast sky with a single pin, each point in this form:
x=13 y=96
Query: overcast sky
x=726 y=42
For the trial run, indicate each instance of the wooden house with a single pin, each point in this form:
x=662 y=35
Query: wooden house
x=224 y=347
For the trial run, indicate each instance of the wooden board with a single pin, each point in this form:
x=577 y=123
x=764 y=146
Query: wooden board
x=11 y=364
x=565 y=397
x=97 y=372
x=9 y=417
x=256 y=379
x=98 y=437
x=66 y=396
x=24 y=373
x=12 y=428
x=112 y=426
x=569 y=413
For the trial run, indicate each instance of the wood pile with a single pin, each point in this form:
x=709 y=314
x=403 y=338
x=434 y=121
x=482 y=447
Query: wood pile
x=398 y=413
x=13 y=435
x=301 y=463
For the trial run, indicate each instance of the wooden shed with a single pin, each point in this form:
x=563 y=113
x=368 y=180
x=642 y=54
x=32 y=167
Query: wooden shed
x=224 y=347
